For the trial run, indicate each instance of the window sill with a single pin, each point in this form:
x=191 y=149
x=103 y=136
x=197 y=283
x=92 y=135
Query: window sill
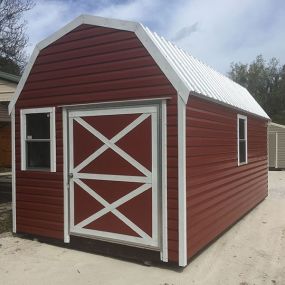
x=37 y=170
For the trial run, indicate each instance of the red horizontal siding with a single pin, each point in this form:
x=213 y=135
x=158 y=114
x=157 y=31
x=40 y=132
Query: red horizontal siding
x=218 y=191
x=89 y=64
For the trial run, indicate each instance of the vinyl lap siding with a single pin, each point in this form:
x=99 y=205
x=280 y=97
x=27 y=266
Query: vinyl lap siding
x=90 y=64
x=7 y=90
x=272 y=131
x=218 y=191
x=272 y=149
x=281 y=150
x=5 y=144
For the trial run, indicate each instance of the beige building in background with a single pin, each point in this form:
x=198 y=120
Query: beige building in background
x=8 y=84
x=276 y=145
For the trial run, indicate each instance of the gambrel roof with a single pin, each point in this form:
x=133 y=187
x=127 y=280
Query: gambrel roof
x=187 y=74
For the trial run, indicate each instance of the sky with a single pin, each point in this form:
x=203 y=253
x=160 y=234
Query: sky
x=217 y=32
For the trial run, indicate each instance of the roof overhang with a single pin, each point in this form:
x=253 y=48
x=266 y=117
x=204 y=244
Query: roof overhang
x=9 y=77
x=277 y=125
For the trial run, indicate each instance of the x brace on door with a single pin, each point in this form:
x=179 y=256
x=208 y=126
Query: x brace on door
x=146 y=178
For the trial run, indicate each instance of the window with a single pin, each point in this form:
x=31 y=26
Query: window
x=242 y=139
x=38 y=139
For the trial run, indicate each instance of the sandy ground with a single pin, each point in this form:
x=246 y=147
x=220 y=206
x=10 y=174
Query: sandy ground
x=251 y=252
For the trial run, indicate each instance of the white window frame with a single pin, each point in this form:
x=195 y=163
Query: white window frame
x=23 y=113
x=246 y=139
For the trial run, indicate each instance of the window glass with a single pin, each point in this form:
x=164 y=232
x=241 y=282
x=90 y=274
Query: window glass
x=38 y=155
x=241 y=129
x=242 y=152
x=38 y=126
x=38 y=139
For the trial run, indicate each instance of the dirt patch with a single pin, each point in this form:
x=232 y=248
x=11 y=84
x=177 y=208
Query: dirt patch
x=252 y=252
x=5 y=218
x=6 y=222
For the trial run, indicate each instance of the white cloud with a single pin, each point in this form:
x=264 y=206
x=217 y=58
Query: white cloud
x=217 y=32
x=230 y=30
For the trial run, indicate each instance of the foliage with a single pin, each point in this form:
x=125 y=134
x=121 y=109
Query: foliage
x=13 y=39
x=265 y=80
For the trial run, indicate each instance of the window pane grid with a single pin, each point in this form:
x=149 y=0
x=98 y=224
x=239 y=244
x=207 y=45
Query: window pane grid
x=38 y=126
x=242 y=140
x=38 y=155
x=38 y=139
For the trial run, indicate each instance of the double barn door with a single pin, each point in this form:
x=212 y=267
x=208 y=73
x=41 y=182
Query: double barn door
x=113 y=170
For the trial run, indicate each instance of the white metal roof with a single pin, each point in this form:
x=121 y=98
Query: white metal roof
x=186 y=73
x=202 y=79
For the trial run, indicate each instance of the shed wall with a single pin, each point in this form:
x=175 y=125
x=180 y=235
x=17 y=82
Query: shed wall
x=218 y=191
x=7 y=90
x=272 y=149
x=5 y=144
x=281 y=150
x=89 y=64
x=4 y=114
x=272 y=130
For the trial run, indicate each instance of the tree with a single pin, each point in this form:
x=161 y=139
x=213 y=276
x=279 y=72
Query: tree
x=13 y=39
x=266 y=82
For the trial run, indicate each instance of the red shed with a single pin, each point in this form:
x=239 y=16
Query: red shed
x=121 y=136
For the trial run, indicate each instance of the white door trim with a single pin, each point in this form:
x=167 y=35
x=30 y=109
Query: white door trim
x=65 y=175
x=149 y=180
x=162 y=154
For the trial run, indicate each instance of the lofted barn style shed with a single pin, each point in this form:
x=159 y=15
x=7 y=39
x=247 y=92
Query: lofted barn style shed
x=121 y=136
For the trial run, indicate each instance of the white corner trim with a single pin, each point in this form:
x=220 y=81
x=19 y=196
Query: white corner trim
x=182 y=206
x=65 y=177
x=23 y=127
x=13 y=171
x=164 y=248
x=147 y=40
